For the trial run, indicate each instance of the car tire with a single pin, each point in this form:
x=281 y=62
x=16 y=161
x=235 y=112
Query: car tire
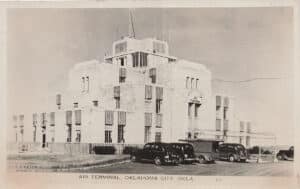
x=133 y=158
x=279 y=157
x=231 y=158
x=201 y=160
x=180 y=160
x=157 y=161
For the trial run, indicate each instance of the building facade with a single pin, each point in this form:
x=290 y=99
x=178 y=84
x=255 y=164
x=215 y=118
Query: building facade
x=138 y=94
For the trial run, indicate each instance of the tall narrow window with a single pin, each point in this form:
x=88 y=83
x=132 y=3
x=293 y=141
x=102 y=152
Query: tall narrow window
x=95 y=103
x=218 y=124
x=87 y=83
x=158 y=137
x=192 y=83
x=158 y=106
x=77 y=117
x=147 y=134
x=190 y=105
x=52 y=119
x=78 y=136
x=58 y=101
x=118 y=102
x=121 y=134
x=197 y=106
x=83 y=84
x=152 y=74
x=148 y=92
x=109 y=117
x=197 y=83
x=122 y=75
x=187 y=82
x=107 y=137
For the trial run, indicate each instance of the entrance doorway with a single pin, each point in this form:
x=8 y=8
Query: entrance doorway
x=44 y=141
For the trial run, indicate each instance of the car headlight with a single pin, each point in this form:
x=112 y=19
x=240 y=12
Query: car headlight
x=166 y=157
x=185 y=155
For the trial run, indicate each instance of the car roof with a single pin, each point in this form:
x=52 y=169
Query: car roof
x=180 y=143
x=233 y=144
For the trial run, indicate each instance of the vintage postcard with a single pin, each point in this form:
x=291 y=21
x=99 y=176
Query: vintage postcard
x=168 y=94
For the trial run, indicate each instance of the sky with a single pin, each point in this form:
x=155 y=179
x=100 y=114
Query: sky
x=236 y=44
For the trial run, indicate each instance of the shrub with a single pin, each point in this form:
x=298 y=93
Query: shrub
x=130 y=149
x=104 y=149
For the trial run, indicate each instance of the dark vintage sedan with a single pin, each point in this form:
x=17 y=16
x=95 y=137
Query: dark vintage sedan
x=232 y=152
x=286 y=154
x=185 y=152
x=159 y=153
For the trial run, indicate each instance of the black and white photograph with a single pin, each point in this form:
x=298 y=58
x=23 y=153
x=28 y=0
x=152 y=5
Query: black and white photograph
x=193 y=91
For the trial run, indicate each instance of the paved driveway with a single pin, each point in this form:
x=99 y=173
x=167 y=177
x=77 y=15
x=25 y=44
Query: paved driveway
x=220 y=168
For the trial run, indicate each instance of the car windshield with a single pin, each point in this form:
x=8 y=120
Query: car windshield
x=239 y=147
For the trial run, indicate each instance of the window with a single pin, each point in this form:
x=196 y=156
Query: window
x=192 y=83
x=34 y=134
x=159 y=93
x=247 y=141
x=118 y=103
x=83 y=84
x=218 y=124
x=135 y=59
x=187 y=82
x=225 y=125
x=69 y=134
x=147 y=134
x=95 y=103
x=78 y=136
x=122 y=75
x=122 y=61
x=218 y=102
x=225 y=116
x=148 y=92
x=15 y=121
x=248 y=127
x=148 y=119
x=152 y=74
x=157 y=136
x=158 y=106
x=87 y=83
x=75 y=104
x=159 y=120
x=68 y=117
x=77 y=117
x=190 y=105
x=58 y=100
x=121 y=134
x=108 y=138
x=34 y=119
x=242 y=127
x=43 y=120
x=109 y=117
x=197 y=83
x=21 y=119
x=197 y=106
x=121 y=118
x=52 y=119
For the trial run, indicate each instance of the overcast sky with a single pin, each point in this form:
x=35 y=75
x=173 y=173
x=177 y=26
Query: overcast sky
x=235 y=44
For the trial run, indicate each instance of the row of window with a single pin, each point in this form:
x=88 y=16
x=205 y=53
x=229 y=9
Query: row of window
x=139 y=59
x=147 y=135
x=191 y=83
x=195 y=107
x=120 y=137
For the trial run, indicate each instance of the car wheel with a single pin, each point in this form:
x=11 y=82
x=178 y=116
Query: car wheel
x=201 y=159
x=279 y=157
x=180 y=160
x=133 y=158
x=231 y=158
x=157 y=161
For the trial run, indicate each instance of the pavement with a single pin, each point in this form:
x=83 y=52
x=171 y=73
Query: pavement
x=220 y=168
x=61 y=162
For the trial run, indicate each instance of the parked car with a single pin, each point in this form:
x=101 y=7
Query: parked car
x=205 y=150
x=185 y=152
x=286 y=154
x=159 y=153
x=232 y=152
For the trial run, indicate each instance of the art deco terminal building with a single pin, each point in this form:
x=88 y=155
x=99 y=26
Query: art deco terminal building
x=138 y=94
